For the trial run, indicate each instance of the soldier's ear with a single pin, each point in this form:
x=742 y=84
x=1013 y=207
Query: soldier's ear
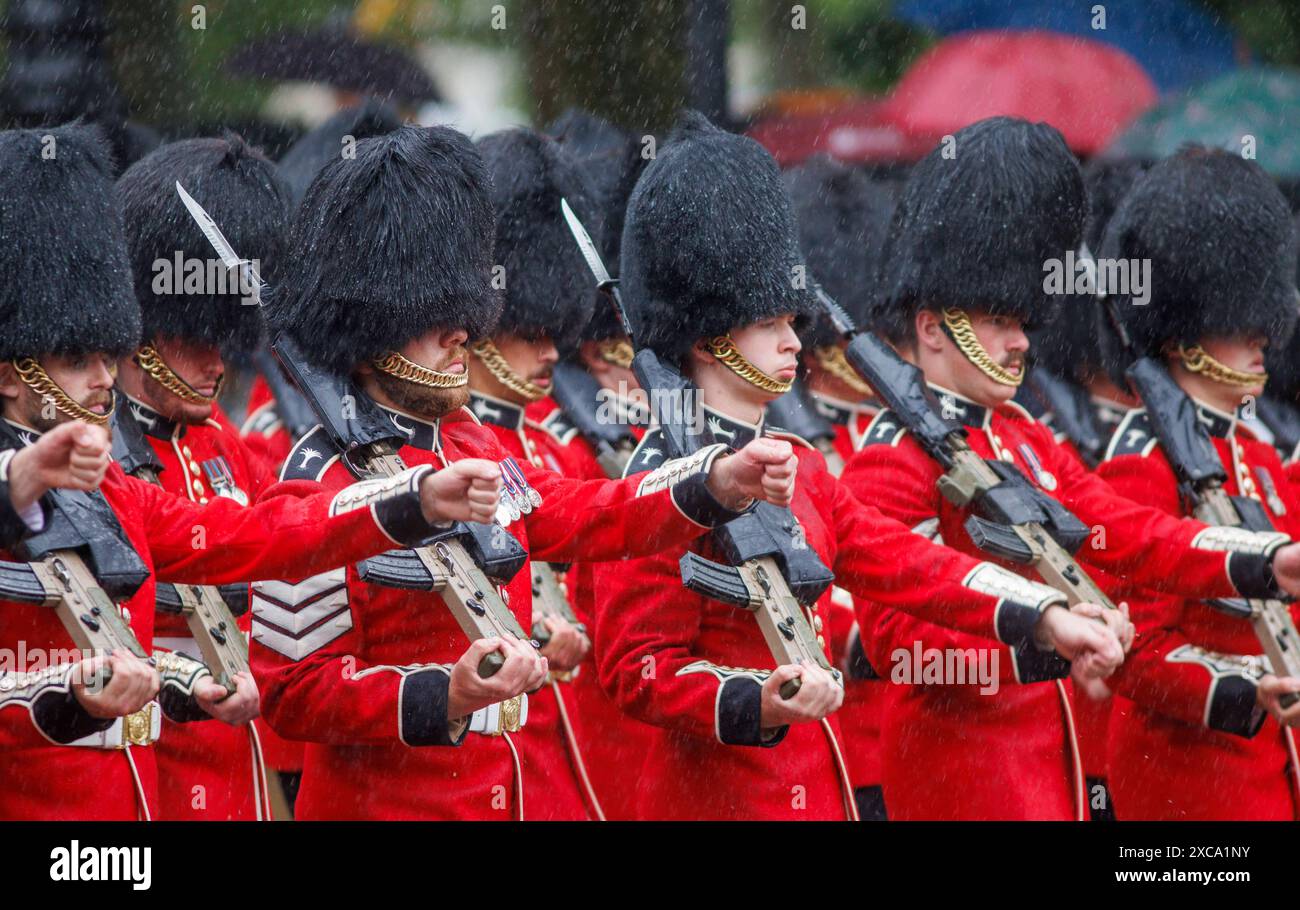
x=9 y=382
x=929 y=331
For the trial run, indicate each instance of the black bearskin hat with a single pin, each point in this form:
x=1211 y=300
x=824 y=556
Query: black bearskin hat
x=305 y=158
x=709 y=242
x=548 y=288
x=65 y=282
x=386 y=246
x=613 y=161
x=1218 y=234
x=240 y=189
x=976 y=224
x=843 y=215
x=1079 y=342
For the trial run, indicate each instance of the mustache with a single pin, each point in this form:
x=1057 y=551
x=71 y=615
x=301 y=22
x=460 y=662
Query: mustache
x=104 y=398
x=1013 y=360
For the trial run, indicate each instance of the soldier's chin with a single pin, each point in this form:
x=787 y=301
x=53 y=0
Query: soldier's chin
x=422 y=401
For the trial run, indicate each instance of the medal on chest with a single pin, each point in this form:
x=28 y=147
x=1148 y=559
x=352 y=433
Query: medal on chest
x=517 y=496
x=1045 y=478
x=222 y=479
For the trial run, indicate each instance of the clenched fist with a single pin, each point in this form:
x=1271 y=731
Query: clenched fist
x=466 y=490
x=763 y=469
x=72 y=456
x=819 y=695
x=235 y=708
x=1093 y=647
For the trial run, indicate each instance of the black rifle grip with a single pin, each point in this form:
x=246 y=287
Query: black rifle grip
x=790 y=688
x=1288 y=699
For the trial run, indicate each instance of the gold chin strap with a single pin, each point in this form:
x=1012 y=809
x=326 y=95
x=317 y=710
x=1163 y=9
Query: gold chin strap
x=831 y=359
x=152 y=363
x=1197 y=360
x=618 y=352
x=723 y=348
x=963 y=335
x=35 y=378
x=497 y=365
x=394 y=364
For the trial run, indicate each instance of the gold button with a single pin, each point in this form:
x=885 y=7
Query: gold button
x=185 y=450
x=821 y=642
x=817 y=623
x=203 y=500
x=1007 y=456
x=194 y=467
x=198 y=485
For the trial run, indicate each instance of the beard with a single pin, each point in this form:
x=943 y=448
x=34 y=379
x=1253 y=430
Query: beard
x=42 y=416
x=422 y=401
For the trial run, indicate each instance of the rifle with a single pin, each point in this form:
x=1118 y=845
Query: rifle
x=797 y=412
x=1010 y=518
x=463 y=563
x=1196 y=464
x=292 y=408
x=576 y=392
x=765 y=572
x=550 y=599
x=1071 y=412
x=209 y=611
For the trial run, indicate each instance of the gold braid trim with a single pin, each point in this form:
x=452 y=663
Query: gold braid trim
x=831 y=359
x=499 y=367
x=394 y=364
x=618 y=352
x=152 y=363
x=1197 y=360
x=963 y=335
x=35 y=378
x=723 y=348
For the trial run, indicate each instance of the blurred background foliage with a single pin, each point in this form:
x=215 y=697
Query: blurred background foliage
x=623 y=58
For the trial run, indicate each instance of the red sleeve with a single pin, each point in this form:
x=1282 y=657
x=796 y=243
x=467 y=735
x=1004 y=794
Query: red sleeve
x=306 y=636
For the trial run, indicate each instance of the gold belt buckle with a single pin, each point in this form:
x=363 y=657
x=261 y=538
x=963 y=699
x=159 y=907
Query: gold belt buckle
x=137 y=727
x=511 y=708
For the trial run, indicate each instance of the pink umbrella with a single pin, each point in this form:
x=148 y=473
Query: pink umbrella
x=1088 y=90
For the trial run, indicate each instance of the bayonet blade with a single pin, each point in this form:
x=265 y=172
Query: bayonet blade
x=219 y=242
x=585 y=244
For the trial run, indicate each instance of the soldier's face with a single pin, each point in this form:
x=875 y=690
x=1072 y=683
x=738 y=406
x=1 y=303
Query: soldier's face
x=771 y=345
x=1244 y=353
x=440 y=349
x=86 y=378
x=531 y=358
x=1003 y=337
x=199 y=364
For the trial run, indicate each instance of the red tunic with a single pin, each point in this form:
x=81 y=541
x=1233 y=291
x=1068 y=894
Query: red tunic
x=360 y=671
x=1187 y=740
x=263 y=433
x=280 y=537
x=553 y=764
x=613 y=743
x=864 y=699
x=1021 y=758
x=694 y=667
x=224 y=761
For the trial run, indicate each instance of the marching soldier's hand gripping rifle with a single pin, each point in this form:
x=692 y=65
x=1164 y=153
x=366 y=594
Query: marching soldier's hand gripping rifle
x=767 y=571
x=1196 y=464
x=462 y=563
x=210 y=612
x=81 y=564
x=1011 y=519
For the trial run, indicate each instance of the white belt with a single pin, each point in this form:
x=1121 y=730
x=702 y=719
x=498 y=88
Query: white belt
x=503 y=717
x=138 y=729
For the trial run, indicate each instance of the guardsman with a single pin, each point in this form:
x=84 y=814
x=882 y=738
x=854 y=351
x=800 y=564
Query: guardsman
x=1199 y=732
x=954 y=298
x=842 y=216
x=710 y=277
x=547 y=301
x=388 y=276
x=72 y=751
x=207 y=771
